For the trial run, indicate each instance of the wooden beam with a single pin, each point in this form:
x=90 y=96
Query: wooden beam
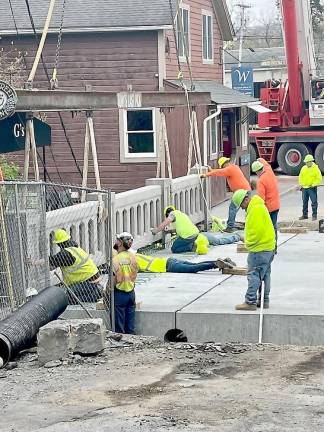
x=235 y=271
x=66 y=100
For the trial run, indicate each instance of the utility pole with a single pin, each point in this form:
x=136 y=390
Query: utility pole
x=244 y=7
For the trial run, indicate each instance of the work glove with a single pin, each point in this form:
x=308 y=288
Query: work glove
x=202 y=176
x=154 y=231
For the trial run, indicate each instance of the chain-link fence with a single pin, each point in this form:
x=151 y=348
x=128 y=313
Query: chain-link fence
x=54 y=234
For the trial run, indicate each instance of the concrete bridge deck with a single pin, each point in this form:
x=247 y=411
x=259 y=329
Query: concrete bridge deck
x=202 y=305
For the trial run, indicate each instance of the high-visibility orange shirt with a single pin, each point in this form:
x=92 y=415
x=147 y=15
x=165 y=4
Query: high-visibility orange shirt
x=268 y=189
x=234 y=176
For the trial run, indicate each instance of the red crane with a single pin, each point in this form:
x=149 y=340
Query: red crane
x=293 y=127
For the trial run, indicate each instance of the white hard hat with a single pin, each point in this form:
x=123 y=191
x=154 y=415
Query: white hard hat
x=125 y=236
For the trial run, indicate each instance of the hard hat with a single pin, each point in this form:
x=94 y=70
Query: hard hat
x=124 y=236
x=168 y=207
x=222 y=161
x=309 y=158
x=61 y=236
x=257 y=166
x=238 y=197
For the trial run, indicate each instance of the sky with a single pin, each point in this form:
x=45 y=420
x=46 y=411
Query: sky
x=259 y=7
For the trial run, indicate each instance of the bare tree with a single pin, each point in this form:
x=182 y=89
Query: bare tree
x=12 y=67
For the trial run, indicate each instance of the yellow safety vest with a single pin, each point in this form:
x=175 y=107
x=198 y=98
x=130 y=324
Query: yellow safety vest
x=125 y=269
x=148 y=263
x=183 y=225
x=82 y=269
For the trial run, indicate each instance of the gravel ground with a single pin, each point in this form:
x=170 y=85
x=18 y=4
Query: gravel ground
x=142 y=384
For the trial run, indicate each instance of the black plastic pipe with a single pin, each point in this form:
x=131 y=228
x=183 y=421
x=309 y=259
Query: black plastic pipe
x=19 y=330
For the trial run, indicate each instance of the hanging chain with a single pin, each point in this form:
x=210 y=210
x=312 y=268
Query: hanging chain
x=54 y=81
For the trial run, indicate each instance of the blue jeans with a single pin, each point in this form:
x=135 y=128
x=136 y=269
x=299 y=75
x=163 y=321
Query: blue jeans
x=232 y=212
x=274 y=219
x=221 y=238
x=181 y=245
x=310 y=193
x=259 y=270
x=124 y=311
x=86 y=292
x=177 y=266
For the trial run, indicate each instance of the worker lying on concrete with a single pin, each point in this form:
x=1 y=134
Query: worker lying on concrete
x=151 y=264
x=310 y=177
x=125 y=272
x=189 y=239
x=267 y=188
x=235 y=180
x=260 y=241
x=79 y=271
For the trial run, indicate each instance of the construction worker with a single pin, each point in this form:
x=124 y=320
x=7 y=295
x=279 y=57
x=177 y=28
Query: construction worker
x=151 y=264
x=235 y=180
x=125 y=272
x=260 y=241
x=79 y=271
x=267 y=188
x=188 y=237
x=310 y=177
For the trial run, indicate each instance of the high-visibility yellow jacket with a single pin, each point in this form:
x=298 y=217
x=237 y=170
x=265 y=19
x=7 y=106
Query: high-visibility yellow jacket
x=183 y=225
x=310 y=176
x=82 y=269
x=150 y=264
x=259 y=232
x=125 y=269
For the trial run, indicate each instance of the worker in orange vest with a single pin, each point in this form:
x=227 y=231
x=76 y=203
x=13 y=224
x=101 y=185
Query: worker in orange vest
x=235 y=180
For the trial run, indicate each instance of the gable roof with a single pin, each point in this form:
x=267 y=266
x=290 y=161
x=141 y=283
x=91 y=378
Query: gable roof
x=100 y=15
x=259 y=58
x=93 y=15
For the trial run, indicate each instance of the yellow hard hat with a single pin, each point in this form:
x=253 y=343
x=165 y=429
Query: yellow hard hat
x=61 y=236
x=168 y=207
x=222 y=161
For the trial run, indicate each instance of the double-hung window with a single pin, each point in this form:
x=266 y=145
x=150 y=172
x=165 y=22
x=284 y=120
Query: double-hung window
x=138 y=135
x=207 y=37
x=215 y=145
x=183 y=32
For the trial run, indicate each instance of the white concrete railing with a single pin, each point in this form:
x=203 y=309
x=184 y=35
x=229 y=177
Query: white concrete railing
x=135 y=211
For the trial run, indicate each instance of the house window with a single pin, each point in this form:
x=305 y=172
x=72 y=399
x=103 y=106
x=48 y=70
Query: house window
x=215 y=145
x=183 y=32
x=138 y=135
x=207 y=37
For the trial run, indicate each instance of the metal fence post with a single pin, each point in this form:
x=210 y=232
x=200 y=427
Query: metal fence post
x=20 y=240
x=109 y=203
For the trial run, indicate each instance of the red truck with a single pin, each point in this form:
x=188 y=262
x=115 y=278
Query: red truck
x=294 y=123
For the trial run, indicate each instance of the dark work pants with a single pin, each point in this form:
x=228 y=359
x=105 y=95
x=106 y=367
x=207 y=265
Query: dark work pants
x=181 y=245
x=86 y=292
x=310 y=193
x=274 y=220
x=124 y=311
x=177 y=266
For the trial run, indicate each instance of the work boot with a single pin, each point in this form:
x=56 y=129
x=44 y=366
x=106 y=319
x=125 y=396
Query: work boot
x=230 y=230
x=304 y=217
x=314 y=218
x=266 y=304
x=223 y=263
x=246 y=307
x=229 y=261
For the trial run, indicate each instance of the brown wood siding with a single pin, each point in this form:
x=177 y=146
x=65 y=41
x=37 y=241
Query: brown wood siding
x=199 y=69
x=109 y=62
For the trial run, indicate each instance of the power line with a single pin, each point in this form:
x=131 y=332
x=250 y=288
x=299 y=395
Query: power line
x=49 y=80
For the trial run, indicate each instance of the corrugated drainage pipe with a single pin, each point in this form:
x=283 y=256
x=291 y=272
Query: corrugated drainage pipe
x=19 y=330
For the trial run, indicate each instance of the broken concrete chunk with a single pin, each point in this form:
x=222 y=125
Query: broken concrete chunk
x=87 y=336
x=53 y=341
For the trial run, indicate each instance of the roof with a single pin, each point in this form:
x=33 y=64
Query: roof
x=259 y=58
x=93 y=15
x=220 y=94
x=103 y=15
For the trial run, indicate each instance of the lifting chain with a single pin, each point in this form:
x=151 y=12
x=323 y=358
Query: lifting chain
x=54 y=80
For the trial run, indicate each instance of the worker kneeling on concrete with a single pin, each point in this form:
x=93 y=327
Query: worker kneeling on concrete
x=188 y=237
x=79 y=271
x=125 y=272
x=150 y=264
x=260 y=241
x=309 y=178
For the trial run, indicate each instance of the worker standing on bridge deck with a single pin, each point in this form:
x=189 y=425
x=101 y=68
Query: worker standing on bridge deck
x=310 y=177
x=235 y=180
x=260 y=241
x=267 y=188
x=125 y=272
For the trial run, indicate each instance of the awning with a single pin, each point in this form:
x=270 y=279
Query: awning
x=259 y=109
x=220 y=95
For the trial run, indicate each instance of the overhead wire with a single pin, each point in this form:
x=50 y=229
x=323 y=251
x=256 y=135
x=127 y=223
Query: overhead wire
x=49 y=81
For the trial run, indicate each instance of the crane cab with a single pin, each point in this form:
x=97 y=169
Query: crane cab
x=316 y=102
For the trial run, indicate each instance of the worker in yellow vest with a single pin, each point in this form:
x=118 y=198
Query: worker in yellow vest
x=151 y=264
x=188 y=237
x=79 y=271
x=125 y=272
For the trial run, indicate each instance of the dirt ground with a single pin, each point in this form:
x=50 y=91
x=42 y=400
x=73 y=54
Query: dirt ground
x=141 y=384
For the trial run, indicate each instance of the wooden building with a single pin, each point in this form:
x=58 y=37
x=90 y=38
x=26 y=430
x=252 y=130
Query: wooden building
x=117 y=45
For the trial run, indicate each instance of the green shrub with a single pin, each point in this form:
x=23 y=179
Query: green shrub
x=10 y=170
